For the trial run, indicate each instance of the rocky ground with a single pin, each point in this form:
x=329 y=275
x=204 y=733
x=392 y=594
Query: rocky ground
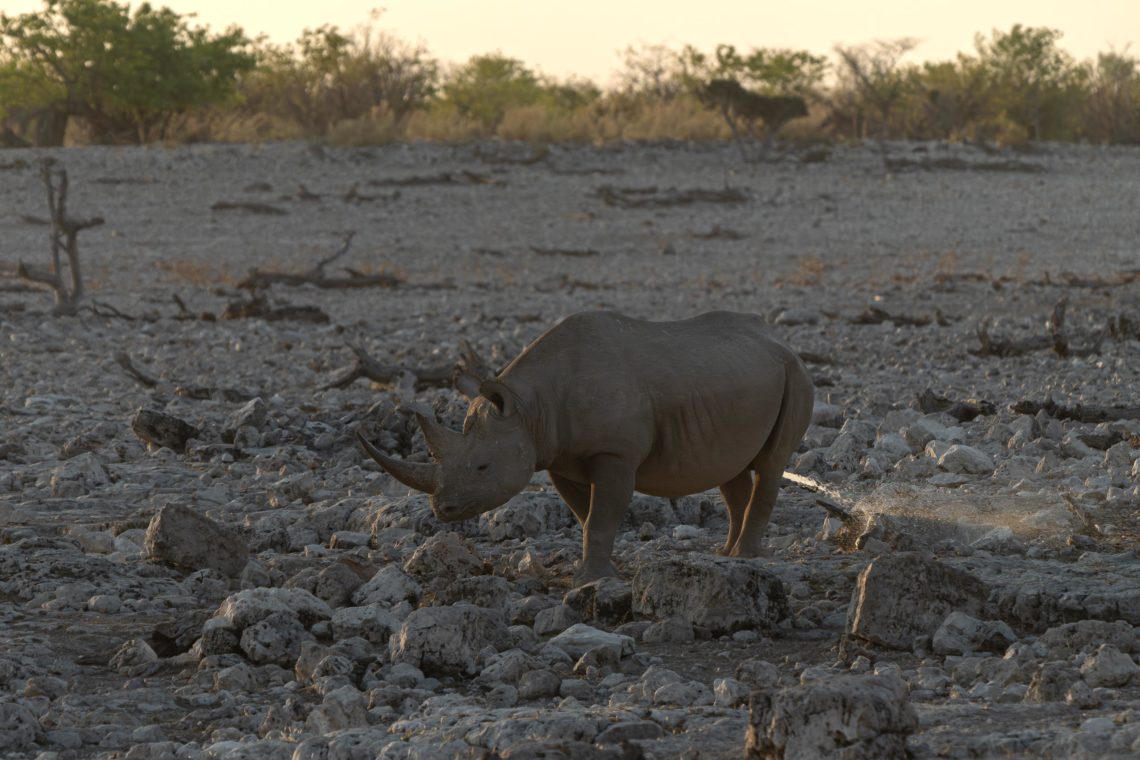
x=197 y=562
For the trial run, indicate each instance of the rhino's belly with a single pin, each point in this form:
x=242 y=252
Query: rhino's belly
x=671 y=479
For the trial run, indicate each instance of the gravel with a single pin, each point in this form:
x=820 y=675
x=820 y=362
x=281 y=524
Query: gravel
x=197 y=561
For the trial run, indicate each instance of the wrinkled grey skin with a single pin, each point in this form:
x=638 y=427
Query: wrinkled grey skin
x=608 y=404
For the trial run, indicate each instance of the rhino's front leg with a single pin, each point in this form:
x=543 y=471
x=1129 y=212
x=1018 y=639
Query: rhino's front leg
x=612 y=481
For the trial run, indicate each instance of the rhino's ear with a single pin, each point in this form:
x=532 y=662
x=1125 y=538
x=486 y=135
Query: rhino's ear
x=467 y=384
x=497 y=394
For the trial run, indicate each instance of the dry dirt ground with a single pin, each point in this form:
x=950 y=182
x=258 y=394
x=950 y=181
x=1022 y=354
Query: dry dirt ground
x=881 y=279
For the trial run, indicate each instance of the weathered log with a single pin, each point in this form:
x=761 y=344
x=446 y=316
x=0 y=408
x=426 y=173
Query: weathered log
x=387 y=374
x=258 y=279
x=649 y=197
x=873 y=315
x=1078 y=412
x=963 y=411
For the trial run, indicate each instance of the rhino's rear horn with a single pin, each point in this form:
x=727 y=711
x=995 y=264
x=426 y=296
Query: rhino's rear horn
x=422 y=477
x=440 y=438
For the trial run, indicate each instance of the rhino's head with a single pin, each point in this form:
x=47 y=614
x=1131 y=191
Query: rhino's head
x=476 y=470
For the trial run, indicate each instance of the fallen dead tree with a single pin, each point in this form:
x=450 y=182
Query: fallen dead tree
x=258 y=307
x=64 y=235
x=254 y=208
x=873 y=315
x=368 y=368
x=196 y=392
x=1078 y=412
x=1057 y=339
x=963 y=411
x=259 y=279
x=651 y=197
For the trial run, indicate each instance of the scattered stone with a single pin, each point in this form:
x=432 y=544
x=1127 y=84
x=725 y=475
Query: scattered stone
x=1108 y=666
x=539 y=684
x=899 y=597
x=607 y=601
x=446 y=640
x=580 y=638
x=849 y=717
x=630 y=731
x=162 y=429
x=182 y=537
x=718 y=593
x=275 y=639
x=960 y=458
x=371 y=622
x=1051 y=682
x=555 y=619
x=728 y=692
x=133 y=658
x=18 y=727
x=251 y=414
x=389 y=586
x=675 y=629
x=443 y=558
x=962 y=634
x=1064 y=641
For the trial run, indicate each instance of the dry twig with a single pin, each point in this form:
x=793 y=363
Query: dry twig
x=258 y=279
x=64 y=235
x=367 y=367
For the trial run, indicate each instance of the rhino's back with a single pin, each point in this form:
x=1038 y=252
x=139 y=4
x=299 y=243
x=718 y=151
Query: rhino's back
x=694 y=400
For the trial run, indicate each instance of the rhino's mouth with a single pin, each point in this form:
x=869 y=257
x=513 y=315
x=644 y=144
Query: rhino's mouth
x=456 y=512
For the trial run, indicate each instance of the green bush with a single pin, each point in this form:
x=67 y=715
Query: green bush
x=327 y=77
x=124 y=74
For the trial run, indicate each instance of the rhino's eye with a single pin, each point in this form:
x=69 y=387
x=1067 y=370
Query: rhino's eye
x=481 y=467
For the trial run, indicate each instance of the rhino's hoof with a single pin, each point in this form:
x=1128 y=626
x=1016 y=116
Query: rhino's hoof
x=588 y=574
x=749 y=552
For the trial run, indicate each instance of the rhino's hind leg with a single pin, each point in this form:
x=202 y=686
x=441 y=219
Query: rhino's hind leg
x=737 y=493
x=576 y=496
x=764 y=489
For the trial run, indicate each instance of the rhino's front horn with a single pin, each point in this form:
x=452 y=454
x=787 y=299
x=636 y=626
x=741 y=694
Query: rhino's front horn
x=440 y=438
x=421 y=477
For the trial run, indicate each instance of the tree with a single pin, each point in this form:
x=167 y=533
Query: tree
x=125 y=74
x=326 y=77
x=872 y=74
x=1112 y=109
x=487 y=85
x=1031 y=78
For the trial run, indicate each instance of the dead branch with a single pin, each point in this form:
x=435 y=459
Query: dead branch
x=1087 y=522
x=387 y=374
x=1057 y=339
x=1071 y=280
x=196 y=392
x=576 y=252
x=124 y=361
x=1079 y=412
x=873 y=315
x=718 y=233
x=443 y=178
x=1000 y=347
x=254 y=208
x=963 y=411
x=258 y=307
x=649 y=197
x=106 y=310
x=64 y=234
x=258 y=279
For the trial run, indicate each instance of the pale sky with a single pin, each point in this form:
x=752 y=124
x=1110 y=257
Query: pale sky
x=584 y=37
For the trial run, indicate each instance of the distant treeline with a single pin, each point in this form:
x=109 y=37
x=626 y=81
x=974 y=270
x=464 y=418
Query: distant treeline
x=93 y=71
